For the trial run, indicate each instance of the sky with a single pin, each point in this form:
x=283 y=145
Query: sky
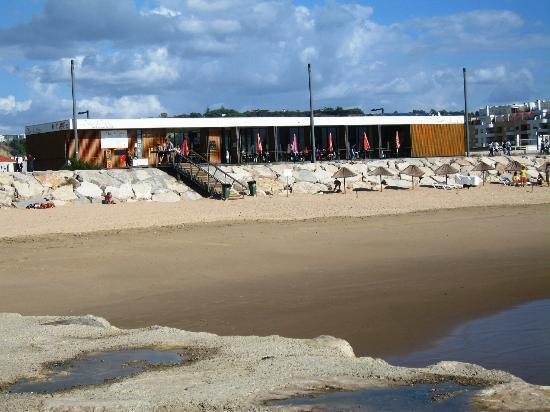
x=140 y=58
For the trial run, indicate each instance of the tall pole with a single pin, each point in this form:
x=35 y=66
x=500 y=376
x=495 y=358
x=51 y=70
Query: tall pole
x=466 y=126
x=75 y=129
x=311 y=123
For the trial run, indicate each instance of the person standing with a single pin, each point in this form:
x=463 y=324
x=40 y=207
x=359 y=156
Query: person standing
x=30 y=163
x=523 y=176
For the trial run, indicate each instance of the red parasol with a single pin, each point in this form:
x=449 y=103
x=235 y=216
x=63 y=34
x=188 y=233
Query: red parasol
x=366 y=144
x=185 y=147
x=259 y=148
x=330 y=148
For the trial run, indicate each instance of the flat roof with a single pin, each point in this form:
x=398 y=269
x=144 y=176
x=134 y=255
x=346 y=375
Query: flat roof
x=226 y=122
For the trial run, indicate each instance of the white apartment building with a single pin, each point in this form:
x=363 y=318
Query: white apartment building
x=524 y=124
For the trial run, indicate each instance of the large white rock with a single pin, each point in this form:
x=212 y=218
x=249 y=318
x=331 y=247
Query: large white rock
x=176 y=186
x=6 y=179
x=403 y=184
x=122 y=192
x=190 y=195
x=167 y=197
x=90 y=190
x=5 y=199
x=8 y=189
x=122 y=175
x=308 y=187
x=64 y=193
x=142 y=191
x=27 y=189
x=139 y=175
x=302 y=175
x=263 y=171
x=323 y=176
x=377 y=163
x=100 y=178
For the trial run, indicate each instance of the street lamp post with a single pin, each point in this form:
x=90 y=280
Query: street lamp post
x=466 y=126
x=86 y=112
x=75 y=129
x=381 y=110
x=311 y=123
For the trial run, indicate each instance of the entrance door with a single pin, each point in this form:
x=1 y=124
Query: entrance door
x=214 y=146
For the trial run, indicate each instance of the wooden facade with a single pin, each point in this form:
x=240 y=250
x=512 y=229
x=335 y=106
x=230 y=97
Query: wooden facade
x=437 y=140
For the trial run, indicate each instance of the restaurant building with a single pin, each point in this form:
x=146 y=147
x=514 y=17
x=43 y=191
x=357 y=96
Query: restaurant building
x=106 y=142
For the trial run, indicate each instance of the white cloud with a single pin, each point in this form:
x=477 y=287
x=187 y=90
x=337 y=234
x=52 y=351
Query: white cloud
x=309 y=54
x=303 y=17
x=126 y=106
x=161 y=11
x=9 y=105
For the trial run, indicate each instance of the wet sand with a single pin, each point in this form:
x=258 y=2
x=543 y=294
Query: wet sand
x=387 y=284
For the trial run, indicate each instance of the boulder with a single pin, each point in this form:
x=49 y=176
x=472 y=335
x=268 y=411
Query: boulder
x=8 y=189
x=324 y=176
x=308 y=187
x=263 y=171
x=303 y=175
x=122 y=192
x=6 y=179
x=51 y=180
x=269 y=185
x=400 y=183
x=89 y=190
x=142 y=191
x=27 y=188
x=376 y=163
x=176 y=186
x=427 y=171
x=64 y=193
x=99 y=178
x=167 y=197
x=191 y=195
x=122 y=175
x=139 y=175
x=462 y=162
x=5 y=199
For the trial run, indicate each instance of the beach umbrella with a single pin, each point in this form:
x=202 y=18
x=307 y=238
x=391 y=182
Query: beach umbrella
x=259 y=148
x=513 y=166
x=380 y=171
x=413 y=171
x=330 y=148
x=342 y=173
x=397 y=142
x=482 y=167
x=445 y=170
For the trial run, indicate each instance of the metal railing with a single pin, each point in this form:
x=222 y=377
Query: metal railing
x=213 y=173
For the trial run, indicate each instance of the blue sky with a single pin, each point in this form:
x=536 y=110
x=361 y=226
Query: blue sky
x=143 y=57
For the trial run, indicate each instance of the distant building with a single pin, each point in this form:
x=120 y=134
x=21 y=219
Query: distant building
x=524 y=124
x=6 y=164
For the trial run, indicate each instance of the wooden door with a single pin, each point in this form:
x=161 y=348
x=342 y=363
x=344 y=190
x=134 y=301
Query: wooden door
x=214 y=146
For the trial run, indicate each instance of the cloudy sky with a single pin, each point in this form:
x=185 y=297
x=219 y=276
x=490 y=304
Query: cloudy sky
x=143 y=57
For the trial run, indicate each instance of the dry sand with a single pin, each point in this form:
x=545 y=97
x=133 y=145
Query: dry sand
x=75 y=219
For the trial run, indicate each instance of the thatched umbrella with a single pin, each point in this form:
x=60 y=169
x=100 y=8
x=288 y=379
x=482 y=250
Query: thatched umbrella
x=342 y=173
x=445 y=170
x=413 y=171
x=514 y=166
x=544 y=167
x=380 y=171
x=482 y=167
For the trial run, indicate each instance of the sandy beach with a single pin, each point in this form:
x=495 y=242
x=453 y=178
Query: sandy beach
x=259 y=268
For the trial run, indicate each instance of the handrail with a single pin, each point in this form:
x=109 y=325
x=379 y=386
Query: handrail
x=199 y=156
x=189 y=160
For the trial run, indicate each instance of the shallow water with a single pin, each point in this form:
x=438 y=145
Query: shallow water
x=516 y=340
x=422 y=397
x=99 y=367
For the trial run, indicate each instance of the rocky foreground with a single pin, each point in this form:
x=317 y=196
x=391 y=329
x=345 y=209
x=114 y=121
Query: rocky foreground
x=150 y=184
x=228 y=373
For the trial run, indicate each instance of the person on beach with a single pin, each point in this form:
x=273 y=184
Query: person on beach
x=337 y=186
x=30 y=163
x=523 y=176
x=539 y=180
x=515 y=179
x=108 y=199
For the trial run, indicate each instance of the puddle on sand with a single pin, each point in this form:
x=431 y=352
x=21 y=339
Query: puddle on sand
x=515 y=340
x=96 y=368
x=420 y=397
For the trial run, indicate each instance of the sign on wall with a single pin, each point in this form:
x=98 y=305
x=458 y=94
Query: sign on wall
x=114 y=139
